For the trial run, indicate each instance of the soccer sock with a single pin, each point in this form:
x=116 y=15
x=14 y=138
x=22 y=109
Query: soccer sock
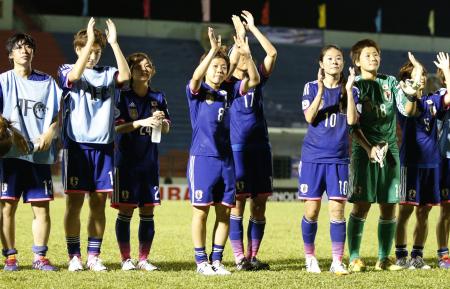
x=93 y=248
x=338 y=234
x=401 y=251
x=146 y=234
x=386 y=233
x=73 y=246
x=200 y=255
x=417 y=251
x=39 y=252
x=309 y=230
x=9 y=252
x=442 y=252
x=217 y=253
x=236 y=237
x=123 y=235
x=255 y=235
x=355 y=230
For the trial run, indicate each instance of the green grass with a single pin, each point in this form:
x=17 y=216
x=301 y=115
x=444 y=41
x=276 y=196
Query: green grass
x=172 y=252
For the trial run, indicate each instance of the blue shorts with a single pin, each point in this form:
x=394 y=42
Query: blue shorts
x=211 y=181
x=419 y=186
x=445 y=180
x=33 y=181
x=316 y=178
x=88 y=170
x=136 y=187
x=253 y=170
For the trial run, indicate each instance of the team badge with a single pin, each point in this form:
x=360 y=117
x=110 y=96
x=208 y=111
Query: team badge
x=125 y=195
x=209 y=98
x=305 y=104
x=387 y=93
x=303 y=188
x=39 y=110
x=132 y=111
x=444 y=193
x=240 y=186
x=412 y=194
x=198 y=195
x=73 y=181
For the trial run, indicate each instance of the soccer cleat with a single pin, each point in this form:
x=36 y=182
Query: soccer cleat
x=95 y=264
x=206 y=269
x=11 y=264
x=403 y=262
x=338 y=268
x=443 y=262
x=312 y=266
x=128 y=265
x=244 y=265
x=146 y=266
x=43 y=264
x=75 y=264
x=387 y=264
x=220 y=268
x=418 y=263
x=258 y=265
x=357 y=265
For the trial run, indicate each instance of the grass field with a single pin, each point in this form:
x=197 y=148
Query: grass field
x=172 y=252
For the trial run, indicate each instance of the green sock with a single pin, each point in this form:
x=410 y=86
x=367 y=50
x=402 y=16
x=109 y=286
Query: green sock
x=386 y=233
x=355 y=227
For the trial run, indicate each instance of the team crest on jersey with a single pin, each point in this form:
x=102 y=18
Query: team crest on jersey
x=303 y=188
x=240 y=186
x=412 y=194
x=209 y=98
x=444 y=193
x=39 y=110
x=132 y=111
x=198 y=194
x=73 y=181
x=305 y=104
x=387 y=93
x=125 y=195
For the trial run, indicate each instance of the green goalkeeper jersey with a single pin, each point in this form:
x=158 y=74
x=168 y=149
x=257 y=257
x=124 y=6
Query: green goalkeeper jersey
x=376 y=107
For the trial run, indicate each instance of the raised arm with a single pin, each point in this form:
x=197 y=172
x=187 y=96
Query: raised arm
x=352 y=116
x=311 y=111
x=412 y=88
x=79 y=66
x=234 y=56
x=244 y=50
x=443 y=63
x=124 y=71
x=271 y=52
x=201 y=69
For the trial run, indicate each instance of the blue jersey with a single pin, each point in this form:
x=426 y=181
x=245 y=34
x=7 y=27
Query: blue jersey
x=135 y=149
x=89 y=104
x=326 y=140
x=248 y=127
x=420 y=134
x=210 y=121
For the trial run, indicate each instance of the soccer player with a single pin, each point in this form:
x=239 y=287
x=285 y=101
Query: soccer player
x=30 y=99
x=419 y=158
x=251 y=152
x=142 y=109
x=375 y=165
x=210 y=171
x=329 y=107
x=89 y=132
x=443 y=225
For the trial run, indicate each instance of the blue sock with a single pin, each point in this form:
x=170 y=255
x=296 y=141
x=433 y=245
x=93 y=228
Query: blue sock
x=94 y=245
x=73 y=246
x=123 y=235
x=337 y=234
x=217 y=253
x=442 y=252
x=146 y=235
x=417 y=251
x=236 y=237
x=401 y=251
x=309 y=230
x=200 y=255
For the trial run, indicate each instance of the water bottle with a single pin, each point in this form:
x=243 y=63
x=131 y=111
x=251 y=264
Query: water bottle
x=156 y=134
